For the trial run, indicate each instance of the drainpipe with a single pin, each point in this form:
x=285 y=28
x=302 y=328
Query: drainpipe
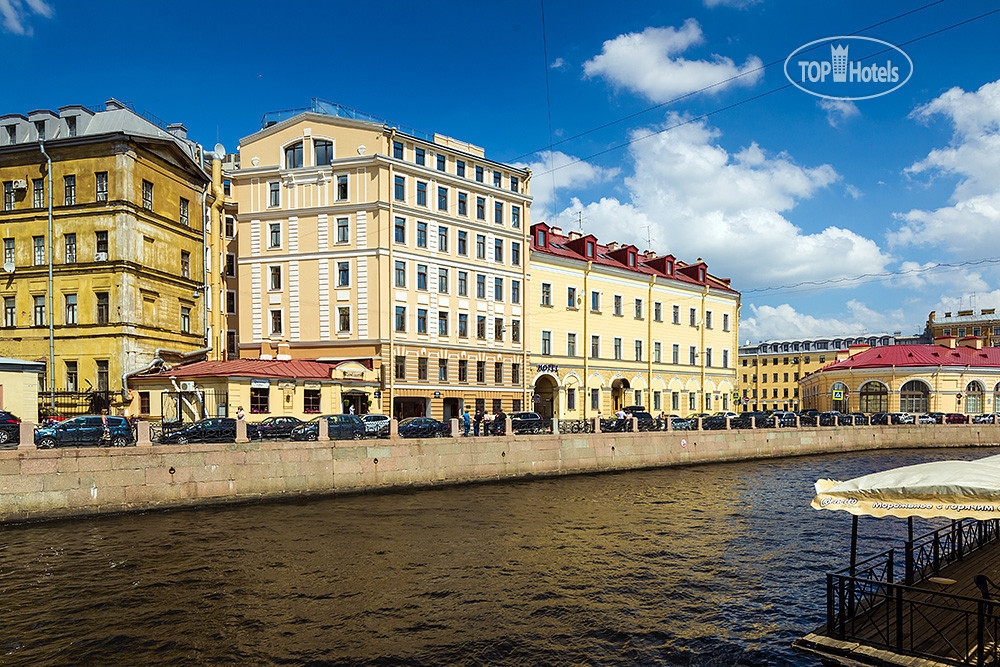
x=390 y=241
x=649 y=345
x=216 y=219
x=701 y=325
x=586 y=338
x=52 y=343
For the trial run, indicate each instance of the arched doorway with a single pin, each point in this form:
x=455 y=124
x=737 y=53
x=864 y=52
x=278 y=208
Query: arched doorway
x=915 y=396
x=545 y=394
x=874 y=397
x=619 y=388
x=996 y=397
x=974 y=398
x=840 y=404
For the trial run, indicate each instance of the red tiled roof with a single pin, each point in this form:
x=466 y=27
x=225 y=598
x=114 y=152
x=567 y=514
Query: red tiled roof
x=918 y=355
x=297 y=369
x=559 y=245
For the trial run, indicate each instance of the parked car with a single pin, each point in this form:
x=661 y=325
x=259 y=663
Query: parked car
x=956 y=418
x=830 y=418
x=645 y=421
x=760 y=420
x=783 y=419
x=339 y=427
x=633 y=408
x=906 y=418
x=213 y=429
x=422 y=427
x=84 y=431
x=986 y=419
x=527 y=422
x=277 y=427
x=375 y=423
x=10 y=428
x=860 y=418
x=926 y=419
x=808 y=417
x=938 y=417
x=717 y=421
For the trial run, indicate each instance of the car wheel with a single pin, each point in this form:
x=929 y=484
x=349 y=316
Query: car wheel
x=119 y=441
x=358 y=435
x=4 y=437
x=182 y=440
x=46 y=443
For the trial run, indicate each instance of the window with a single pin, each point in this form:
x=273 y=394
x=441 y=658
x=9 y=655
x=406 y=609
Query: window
x=656 y=352
x=274 y=235
x=515 y=217
x=515 y=378
x=102 y=375
x=343 y=274
x=400 y=279
x=103 y=307
x=231 y=303
x=515 y=331
x=443 y=281
x=498 y=289
x=480 y=286
x=71 y=127
x=8 y=195
x=463 y=283
x=421 y=193
x=273 y=194
x=397 y=150
x=595 y=347
x=459 y=167
x=708 y=322
x=186 y=320
x=463 y=203
x=725 y=321
x=675 y=354
x=595 y=399
x=70 y=309
x=400 y=318
x=540 y=237
x=147 y=195
x=101 y=189
x=515 y=291
x=546 y=343
x=496 y=178
x=9 y=312
x=343 y=230
x=708 y=356
x=442 y=238
x=618 y=306
x=498 y=250
x=657 y=311
x=184 y=212
x=185 y=264
x=399 y=230
x=227 y=187
x=400 y=188
x=463 y=325
x=310 y=401
x=618 y=348
x=399 y=367
x=419 y=156
x=571 y=345
x=442 y=199
x=498 y=213
x=293 y=156
x=692 y=356
x=480 y=371
x=343 y=319
x=571 y=399
x=38 y=245
x=546 y=294
x=421 y=234
x=463 y=243
x=442 y=370
x=638 y=309
x=230 y=265
x=11 y=133
x=443 y=323
x=481 y=327
x=692 y=400
x=498 y=372
x=39 y=310
x=515 y=253
x=70 y=247
x=479 y=174
x=480 y=208
x=693 y=317
x=72 y=375
x=677 y=314
x=571 y=297
x=422 y=277
x=69 y=190
x=463 y=370
x=498 y=328
x=595 y=302
x=102 y=241
x=324 y=156
x=480 y=246
x=38 y=192
x=725 y=360
x=40 y=129
x=259 y=400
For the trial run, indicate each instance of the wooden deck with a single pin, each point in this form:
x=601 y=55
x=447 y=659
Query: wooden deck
x=932 y=625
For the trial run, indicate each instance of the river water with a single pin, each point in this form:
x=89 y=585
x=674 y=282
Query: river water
x=705 y=565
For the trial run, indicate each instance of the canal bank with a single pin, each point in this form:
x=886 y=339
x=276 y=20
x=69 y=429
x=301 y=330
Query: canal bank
x=47 y=484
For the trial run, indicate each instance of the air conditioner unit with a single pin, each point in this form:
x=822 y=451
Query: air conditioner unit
x=187 y=385
x=20 y=184
x=100 y=256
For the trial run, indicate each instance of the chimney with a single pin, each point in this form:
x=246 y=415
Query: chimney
x=649 y=254
x=574 y=235
x=857 y=348
x=613 y=246
x=113 y=105
x=178 y=130
x=945 y=341
x=557 y=231
x=284 y=351
x=971 y=341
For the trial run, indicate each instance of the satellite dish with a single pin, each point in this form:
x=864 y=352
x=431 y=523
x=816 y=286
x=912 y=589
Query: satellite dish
x=220 y=151
x=8 y=267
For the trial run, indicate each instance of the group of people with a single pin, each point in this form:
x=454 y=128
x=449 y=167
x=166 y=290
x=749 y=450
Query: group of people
x=489 y=423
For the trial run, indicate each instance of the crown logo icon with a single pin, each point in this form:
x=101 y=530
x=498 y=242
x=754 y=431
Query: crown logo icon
x=838 y=60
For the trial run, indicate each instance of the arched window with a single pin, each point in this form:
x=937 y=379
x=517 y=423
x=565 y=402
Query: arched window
x=914 y=396
x=996 y=397
x=874 y=397
x=839 y=404
x=324 y=152
x=974 y=398
x=293 y=156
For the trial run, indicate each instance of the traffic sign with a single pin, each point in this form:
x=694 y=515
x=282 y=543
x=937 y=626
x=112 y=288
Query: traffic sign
x=736 y=395
x=838 y=394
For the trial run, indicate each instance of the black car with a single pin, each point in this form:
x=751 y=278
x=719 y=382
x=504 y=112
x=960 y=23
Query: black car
x=277 y=427
x=808 y=417
x=85 y=431
x=644 y=421
x=527 y=422
x=422 y=427
x=339 y=427
x=10 y=428
x=213 y=429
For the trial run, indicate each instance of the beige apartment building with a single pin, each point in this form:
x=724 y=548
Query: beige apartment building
x=360 y=240
x=984 y=325
x=611 y=326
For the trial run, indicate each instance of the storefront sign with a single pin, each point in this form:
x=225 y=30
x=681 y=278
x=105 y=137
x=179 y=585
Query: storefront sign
x=352 y=375
x=258 y=383
x=312 y=385
x=547 y=368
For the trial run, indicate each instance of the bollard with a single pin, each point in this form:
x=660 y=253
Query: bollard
x=508 y=427
x=241 y=431
x=798 y=421
x=454 y=428
x=729 y=423
x=323 y=435
x=668 y=424
x=597 y=424
x=854 y=420
x=635 y=424
x=27 y=433
x=142 y=434
x=394 y=429
x=698 y=425
x=555 y=426
x=753 y=422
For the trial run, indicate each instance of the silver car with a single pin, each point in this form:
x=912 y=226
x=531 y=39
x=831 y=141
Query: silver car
x=375 y=423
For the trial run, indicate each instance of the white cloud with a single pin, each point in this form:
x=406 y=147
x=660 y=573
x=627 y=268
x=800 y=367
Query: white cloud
x=968 y=300
x=854 y=192
x=973 y=156
x=15 y=13
x=784 y=321
x=917 y=276
x=558 y=63
x=648 y=63
x=553 y=171
x=838 y=111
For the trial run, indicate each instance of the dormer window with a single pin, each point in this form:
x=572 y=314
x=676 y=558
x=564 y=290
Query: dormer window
x=670 y=268
x=40 y=129
x=631 y=259
x=540 y=237
x=590 y=249
x=701 y=274
x=293 y=156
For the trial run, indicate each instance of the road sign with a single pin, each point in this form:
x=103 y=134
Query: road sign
x=838 y=394
x=736 y=395
x=377 y=394
x=437 y=394
x=745 y=400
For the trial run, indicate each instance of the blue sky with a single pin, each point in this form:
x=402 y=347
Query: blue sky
x=779 y=190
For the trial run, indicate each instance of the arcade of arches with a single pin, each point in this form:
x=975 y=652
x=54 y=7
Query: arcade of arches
x=915 y=395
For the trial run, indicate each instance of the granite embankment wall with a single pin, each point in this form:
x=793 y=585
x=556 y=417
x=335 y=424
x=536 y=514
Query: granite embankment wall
x=43 y=484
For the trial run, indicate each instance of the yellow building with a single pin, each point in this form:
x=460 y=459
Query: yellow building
x=358 y=239
x=769 y=372
x=19 y=388
x=984 y=325
x=611 y=326
x=953 y=375
x=128 y=198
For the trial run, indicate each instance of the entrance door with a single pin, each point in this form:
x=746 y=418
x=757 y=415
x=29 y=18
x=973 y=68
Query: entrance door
x=544 y=399
x=452 y=409
x=619 y=389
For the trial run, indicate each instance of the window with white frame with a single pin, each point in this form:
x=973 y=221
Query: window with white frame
x=274 y=235
x=343 y=230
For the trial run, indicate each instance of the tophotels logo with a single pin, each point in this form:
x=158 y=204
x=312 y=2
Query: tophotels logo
x=858 y=68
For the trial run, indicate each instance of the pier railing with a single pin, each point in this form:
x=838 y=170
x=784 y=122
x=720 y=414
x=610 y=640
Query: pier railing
x=927 y=554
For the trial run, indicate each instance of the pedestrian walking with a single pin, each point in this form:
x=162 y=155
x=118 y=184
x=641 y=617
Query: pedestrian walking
x=465 y=423
x=240 y=415
x=477 y=422
x=500 y=423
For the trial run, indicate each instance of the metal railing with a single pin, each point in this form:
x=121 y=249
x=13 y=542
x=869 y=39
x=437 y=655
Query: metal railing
x=928 y=553
x=319 y=105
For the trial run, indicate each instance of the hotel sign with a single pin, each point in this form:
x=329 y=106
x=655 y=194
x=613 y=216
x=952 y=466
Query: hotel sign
x=547 y=368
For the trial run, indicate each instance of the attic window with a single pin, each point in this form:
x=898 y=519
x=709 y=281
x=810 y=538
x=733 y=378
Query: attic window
x=670 y=268
x=631 y=259
x=590 y=249
x=540 y=237
x=701 y=274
